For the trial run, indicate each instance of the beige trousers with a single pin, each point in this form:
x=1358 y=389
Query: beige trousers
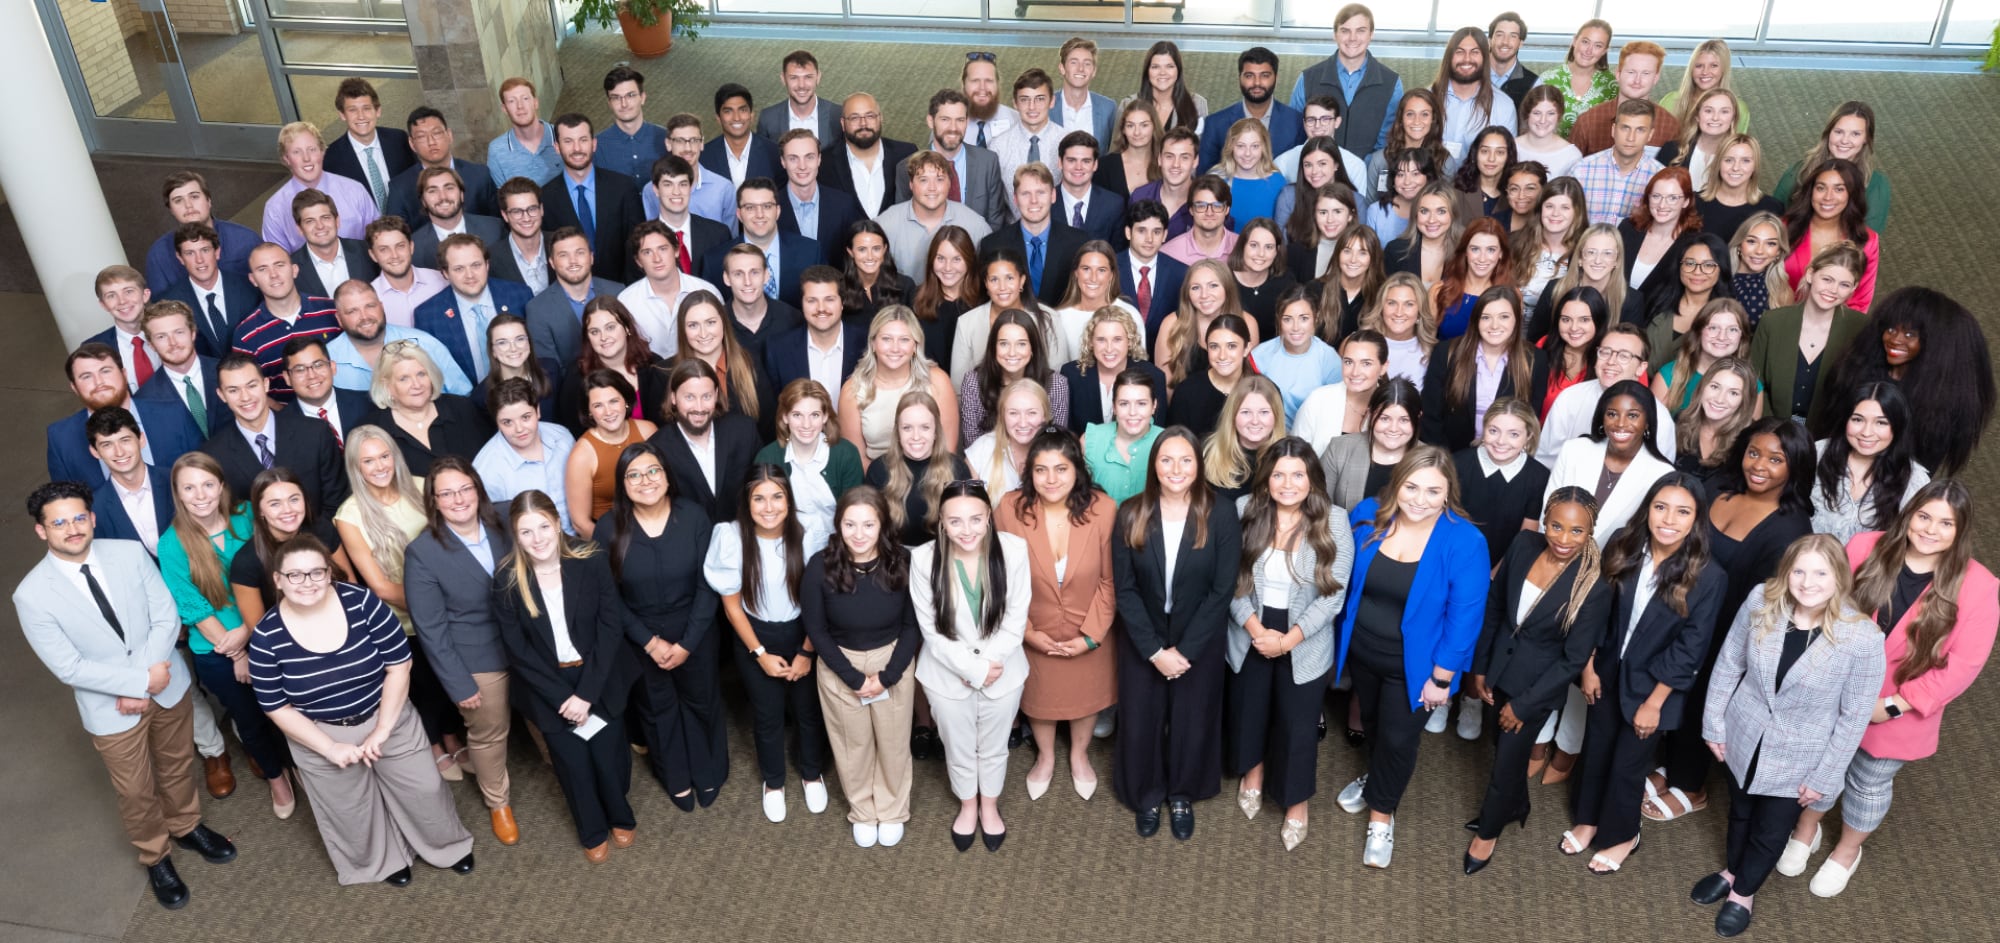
x=486 y=732
x=152 y=769
x=871 y=745
x=374 y=819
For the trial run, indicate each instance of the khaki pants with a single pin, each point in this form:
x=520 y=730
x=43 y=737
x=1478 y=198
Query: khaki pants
x=375 y=819
x=486 y=736
x=152 y=769
x=871 y=745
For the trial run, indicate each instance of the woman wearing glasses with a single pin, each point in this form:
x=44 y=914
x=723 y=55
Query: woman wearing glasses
x=513 y=354
x=1703 y=269
x=1659 y=228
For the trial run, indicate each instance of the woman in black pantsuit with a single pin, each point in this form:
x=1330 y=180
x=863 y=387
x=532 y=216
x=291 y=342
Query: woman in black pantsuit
x=1667 y=593
x=564 y=627
x=657 y=544
x=1174 y=549
x=1544 y=616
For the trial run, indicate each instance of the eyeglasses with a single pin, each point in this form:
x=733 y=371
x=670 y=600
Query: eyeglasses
x=308 y=369
x=401 y=347
x=645 y=475
x=617 y=98
x=1706 y=268
x=866 y=117
x=299 y=577
x=67 y=523
x=685 y=141
x=1616 y=356
x=980 y=56
x=1321 y=119
x=1208 y=207
x=456 y=493
x=509 y=343
x=1669 y=198
x=523 y=212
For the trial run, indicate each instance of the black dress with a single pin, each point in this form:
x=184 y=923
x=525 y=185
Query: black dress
x=914 y=531
x=1261 y=302
x=1724 y=221
x=1197 y=404
x=461 y=428
x=1496 y=504
x=245 y=569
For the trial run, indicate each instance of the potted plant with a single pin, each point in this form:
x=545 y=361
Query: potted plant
x=649 y=25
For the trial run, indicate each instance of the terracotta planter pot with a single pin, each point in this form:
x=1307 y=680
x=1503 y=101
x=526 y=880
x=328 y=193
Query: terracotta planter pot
x=647 y=42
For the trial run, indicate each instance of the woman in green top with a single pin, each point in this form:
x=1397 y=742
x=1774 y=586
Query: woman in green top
x=1850 y=136
x=1585 y=78
x=807 y=442
x=195 y=553
x=1119 y=451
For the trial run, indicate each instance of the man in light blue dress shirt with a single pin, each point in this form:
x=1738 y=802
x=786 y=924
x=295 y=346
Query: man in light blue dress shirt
x=365 y=330
x=528 y=148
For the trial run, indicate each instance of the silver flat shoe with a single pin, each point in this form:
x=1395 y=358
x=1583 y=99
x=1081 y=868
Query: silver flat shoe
x=1350 y=797
x=1381 y=844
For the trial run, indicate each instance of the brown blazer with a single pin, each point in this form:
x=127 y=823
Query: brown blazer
x=1086 y=601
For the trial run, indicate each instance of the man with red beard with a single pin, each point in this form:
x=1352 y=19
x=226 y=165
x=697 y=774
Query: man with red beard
x=97 y=377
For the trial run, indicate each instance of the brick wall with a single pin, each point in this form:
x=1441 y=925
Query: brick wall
x=203 y=17
x=97 y=34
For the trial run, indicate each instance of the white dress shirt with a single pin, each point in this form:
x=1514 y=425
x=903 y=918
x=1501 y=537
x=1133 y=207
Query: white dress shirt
x=656 y=315
x=704 y=454
x=139 y=507
x=869 y=186
x=739 y=166
x=370 y=154
x=533 y=272
x=124 y=345
x=824 y=365
x=74 y=572
x=328 y=411
x=559 y=624
x=331 y=274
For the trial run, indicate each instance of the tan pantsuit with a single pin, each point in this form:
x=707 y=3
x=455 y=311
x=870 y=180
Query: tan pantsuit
x=152 y=769
x=871 y=745
x=486 y=732
x=374 y=819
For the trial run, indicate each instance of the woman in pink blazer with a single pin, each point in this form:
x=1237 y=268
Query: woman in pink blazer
x=1940 y=608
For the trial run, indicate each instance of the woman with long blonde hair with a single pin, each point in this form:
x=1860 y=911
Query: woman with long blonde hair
x=1207 y=291
x=915 y=468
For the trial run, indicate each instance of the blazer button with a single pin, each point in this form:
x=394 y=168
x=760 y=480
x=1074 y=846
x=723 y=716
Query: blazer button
x=975 y=651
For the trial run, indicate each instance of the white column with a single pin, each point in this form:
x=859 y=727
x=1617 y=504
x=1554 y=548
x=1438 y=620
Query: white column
x=50 y=183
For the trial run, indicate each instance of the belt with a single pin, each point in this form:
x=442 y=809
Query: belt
x=354 y=721
x=570 y=664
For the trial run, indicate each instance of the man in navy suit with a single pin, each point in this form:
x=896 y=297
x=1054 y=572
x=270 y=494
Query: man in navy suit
x=673 y=191
x=99 y=382
x=122 y=292
x=1076 y=107
x=1147 y=277
x=787 y=254
x=824 y=348
x=1047 y=244
x=254 y=437
x=802 y=108
x=444 y=205
x=326 y=260
x=737 y=154
x=311 y=370
x=604 y=204
x=217 y=301
x=458 y=317
x=827 y=212
x=368 y=153
x=1088 y=208
x=1256 y=79
x=431 y=142
x=185 y=378
x=865 y=162
x=186 y=196
x=137 y=501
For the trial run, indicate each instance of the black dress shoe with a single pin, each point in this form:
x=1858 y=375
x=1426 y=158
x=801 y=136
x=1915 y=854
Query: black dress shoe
x=1355 y=738
x=399 y=879
x=212 y=847
x=1732 y=919
x=1475 y=865
x=1472 y=824
x=462 y=865
x=683 y=802
x=706 y=797
x=1710 y=889
x=991 y=840
x=1322 y=729
x=961 y=842
x=925 y=745
x=168 y=888
x=1017 y=736
x=1149 y=822
x=1181 y=812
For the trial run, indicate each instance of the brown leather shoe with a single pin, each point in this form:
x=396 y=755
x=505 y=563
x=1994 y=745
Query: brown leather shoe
x=623 y=837
x=504 y=827
x=599 y=854
x=221 y=781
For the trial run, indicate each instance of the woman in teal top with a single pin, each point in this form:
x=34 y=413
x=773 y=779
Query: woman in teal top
x=1119 y=451
x=820 y=464
x=195 y=553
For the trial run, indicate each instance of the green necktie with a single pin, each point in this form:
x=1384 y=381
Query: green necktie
x=196 y=405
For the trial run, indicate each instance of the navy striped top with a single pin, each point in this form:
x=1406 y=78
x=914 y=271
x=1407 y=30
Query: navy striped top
x=331 y=685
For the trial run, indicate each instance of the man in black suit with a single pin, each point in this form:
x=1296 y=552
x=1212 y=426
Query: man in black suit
x=368 y=154
x=830 y=211
x=258 y=437
x=673 y=186
x=218 y=301
x=136 y=501
x=326 y=260
x=729 y=441
x=865 y=163
x=311 y=370
x=1047 y=243
x=523 y=256
x=788 y=253
x=824 y=348
x=603 y=203
x=444 y=205
x=802 y=108
x=185 y=378
x=431 y=142
x=1147 y=277
x=757 y=317
x=1088 y=208
x=737 y=154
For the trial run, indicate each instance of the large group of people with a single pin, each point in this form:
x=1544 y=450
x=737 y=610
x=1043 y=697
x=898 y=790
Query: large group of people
x=1508 y=395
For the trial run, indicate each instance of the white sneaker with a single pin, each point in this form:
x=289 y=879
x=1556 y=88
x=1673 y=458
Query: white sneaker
x=1107 y=724
x=774 y=804
x=1798 y=854
x=816 y=797
x=1832 y=878
x=1437 y=722
x=1350 y=797
x=1381 y=843
x=865 y=834
x=890 y=833
x=1471 y=716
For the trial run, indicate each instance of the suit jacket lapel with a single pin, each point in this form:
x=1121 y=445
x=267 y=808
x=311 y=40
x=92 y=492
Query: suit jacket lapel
x=77 y=601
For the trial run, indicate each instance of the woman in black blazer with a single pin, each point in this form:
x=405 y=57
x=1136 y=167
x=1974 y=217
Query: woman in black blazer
x=1667 y=595
x=1174 y=549
x=1113 y=343
x=1545 y=615
x=564 y=627
x=424 y=421
x=1451 y=383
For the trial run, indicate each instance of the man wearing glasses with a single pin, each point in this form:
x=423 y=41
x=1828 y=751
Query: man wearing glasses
x=431 y=140
x=311 y=370
x=865 y=163
x=713 y=196
x=1322 y=120
x=526 y=259
x=364 y=330
x=257 y=437
x=1620 y=356
x=631 y=144
x=1209 y=237
x=786 y=254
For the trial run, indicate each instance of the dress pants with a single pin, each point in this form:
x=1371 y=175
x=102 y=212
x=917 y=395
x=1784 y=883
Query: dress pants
x=434 y=707
x=688 y=745
x=974 y=730
x=376 y=819
x=871 y=743
x=1394 y=730
x=595 y=775
x=207 y=733
x=1274 y=720
x=486 y=732
x=1685 y=755
x=1758 y=828
x=1507 y=789
x=770 y=698
x=1611 y=773
x=260 y=737
x=153 y=771
x=1169 y=743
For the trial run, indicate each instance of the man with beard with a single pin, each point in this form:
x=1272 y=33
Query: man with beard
x=98 y=381
x=444 y=205
x=1465 y=87
x=1256 y=80
x=458 y=318
x=312 y=372
x=802 y=108
x=431 y=141
x=365 y=330
x=673 y=192
x=1638 y=71
x=805 y=207
x=326 y=259
x=603 y=203
x=283 y=315
x=911 y=223
x=121 y=290
x=737 y=153
x=708 y=452
x=865 y=163
x=186 y=195
x=1505 y=35
x=186 y=379
x=972 y=173
x=555 y=317
x=987 y=117
x=217 y=300
x=300 y=151
x=402 y=286
x=824 y=348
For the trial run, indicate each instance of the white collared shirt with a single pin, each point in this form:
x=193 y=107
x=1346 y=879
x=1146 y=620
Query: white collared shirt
x=704 y=454
x=269 y=431
x=656 y=315
x=1642 y=595
x=125 y=356
x=869 y=186
x=533 y=272
x=810 y=122
x=331 y=274
x=739 y=167
x=559 y=625
x=370 y=153
x=74 y=572
x=824 y=365
x=443 y=233
x=139 y=507
x=1070 y=203
x=329 y=411
x=1078 y=119
x=1507 y=472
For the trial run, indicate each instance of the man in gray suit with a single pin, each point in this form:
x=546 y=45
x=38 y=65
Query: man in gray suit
x=802 y=107
x=443 y=193
x=555 y=317
x=100 y=617
x=975 y=171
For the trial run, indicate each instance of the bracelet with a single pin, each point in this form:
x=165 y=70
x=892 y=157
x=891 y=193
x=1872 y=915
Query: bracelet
x=1089 y=644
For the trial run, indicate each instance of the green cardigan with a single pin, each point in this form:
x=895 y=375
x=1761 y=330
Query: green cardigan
x=843 y=464
x=1774 y=354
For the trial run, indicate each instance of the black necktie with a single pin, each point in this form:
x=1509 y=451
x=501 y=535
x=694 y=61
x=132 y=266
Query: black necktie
x=218 y=324
x=103 y=603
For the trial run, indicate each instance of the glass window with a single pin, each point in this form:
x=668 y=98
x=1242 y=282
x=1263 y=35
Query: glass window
x=346 y=50
x=1694 y=19
x=1206 y=12
x=1972 y=22
x=1852 y=21
x=338 y=9
x=1549 y=21
x=1388 y=16
x=232 y=84
x=120 y=63
x=803 y=6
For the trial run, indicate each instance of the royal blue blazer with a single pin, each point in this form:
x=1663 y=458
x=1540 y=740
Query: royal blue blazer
x=1447 y=606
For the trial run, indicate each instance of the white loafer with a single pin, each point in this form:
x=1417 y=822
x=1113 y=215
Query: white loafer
x=1832 y=878
x=1798 y=854
x=774 y=804
x=1350 y=797
x=1436 y=723
x=816 y=797
x=865 y=834
x=1381 y=844
x=889 y=834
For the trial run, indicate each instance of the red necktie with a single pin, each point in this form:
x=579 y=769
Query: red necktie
x=952 y=171
x=681 y=246
x=329 y=424
x=1145 y=292
x=142 y=366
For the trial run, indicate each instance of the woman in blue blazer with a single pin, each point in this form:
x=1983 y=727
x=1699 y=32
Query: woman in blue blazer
x=1418 y=601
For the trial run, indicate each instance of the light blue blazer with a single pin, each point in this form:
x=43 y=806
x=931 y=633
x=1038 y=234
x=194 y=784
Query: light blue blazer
x=66 y=631
x=1447 y=605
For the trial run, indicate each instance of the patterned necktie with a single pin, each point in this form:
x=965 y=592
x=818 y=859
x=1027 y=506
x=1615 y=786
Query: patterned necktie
x=585 y=216
x=770 y=277
x=1076 y=214
x=981 y=140
x=197 y=407
x=1034 y=149
x=1145 y=293
x=142 y=365
x=264 y=456
x=375 y=184
x=323 y=417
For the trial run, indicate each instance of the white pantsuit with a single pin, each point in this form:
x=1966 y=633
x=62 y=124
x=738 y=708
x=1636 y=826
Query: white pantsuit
x=973 y=717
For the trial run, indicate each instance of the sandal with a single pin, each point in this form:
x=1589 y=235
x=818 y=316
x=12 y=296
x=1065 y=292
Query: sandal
x=1658 y=808
x=1610 y=866
x=1570 y=841
x=1655 y=781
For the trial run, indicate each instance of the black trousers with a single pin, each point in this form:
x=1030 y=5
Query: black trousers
x=1758 y=827
x=1394 y=730
x=770 y=698
x=1685 y=756
x=1611 y=775
x=595 y=776
x=1507 y=789
x=682 y=714
x=435 y=708
x=1169 y=743
x=1274 y=720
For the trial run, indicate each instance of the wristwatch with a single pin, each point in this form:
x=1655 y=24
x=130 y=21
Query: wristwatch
x=1444 y=683
x=757 y=652
x=1889 y=707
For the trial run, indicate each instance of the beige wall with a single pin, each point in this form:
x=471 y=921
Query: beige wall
x=205 y=17
x=97 y=32
x=466 y=48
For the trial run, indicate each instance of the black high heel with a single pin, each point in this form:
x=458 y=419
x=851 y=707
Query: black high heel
x=706 y=797
x=1472 y=824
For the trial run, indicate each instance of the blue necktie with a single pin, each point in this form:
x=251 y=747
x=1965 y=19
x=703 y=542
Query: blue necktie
x=264 y=454
x=1076 y=214
x=1035 y=263
x=770 y=277
x=585 y=216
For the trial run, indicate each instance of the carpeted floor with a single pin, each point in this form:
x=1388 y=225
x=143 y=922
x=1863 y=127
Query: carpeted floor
x=1072 y=870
